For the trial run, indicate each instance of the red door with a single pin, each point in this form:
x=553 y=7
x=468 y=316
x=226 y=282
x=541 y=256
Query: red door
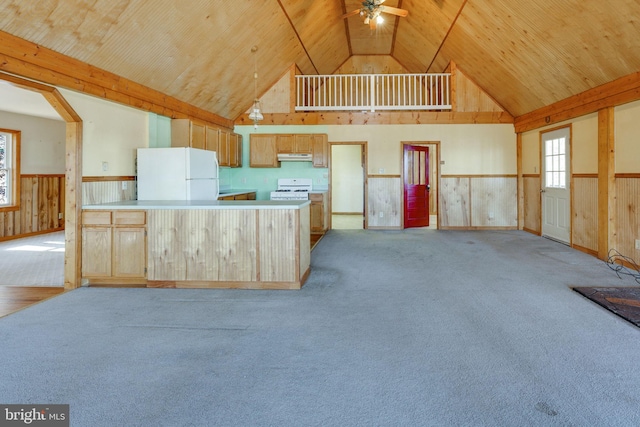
x=416 y=186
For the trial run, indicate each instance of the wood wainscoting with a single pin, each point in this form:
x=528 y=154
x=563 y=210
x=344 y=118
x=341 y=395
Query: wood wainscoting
x=478 y=202
x=41 y=208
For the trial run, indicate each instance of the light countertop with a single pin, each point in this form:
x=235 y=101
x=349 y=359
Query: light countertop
x=201 y=204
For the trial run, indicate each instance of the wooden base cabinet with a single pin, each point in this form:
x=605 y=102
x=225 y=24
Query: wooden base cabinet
x=319 y=212
x=114 y=247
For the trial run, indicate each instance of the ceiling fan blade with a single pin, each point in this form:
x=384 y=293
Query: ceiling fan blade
x=353 y=12
x=394 y=11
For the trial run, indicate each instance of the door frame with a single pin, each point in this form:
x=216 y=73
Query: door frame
x=436 y=163
x=543 y=169
x=364 y=150
x=73 y=175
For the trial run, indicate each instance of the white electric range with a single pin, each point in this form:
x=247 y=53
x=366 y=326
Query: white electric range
x=292 y=189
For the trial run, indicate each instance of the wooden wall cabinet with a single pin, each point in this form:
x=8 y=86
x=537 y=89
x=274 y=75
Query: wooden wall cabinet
x=320 y=150
x=226 y=144
x=262 y=151
x=264 y=148
x=187 y=133
x=114 y=247
x=319 y=212
x=295 y=144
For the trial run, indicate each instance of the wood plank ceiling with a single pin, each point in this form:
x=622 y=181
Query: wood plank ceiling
x=524 y=54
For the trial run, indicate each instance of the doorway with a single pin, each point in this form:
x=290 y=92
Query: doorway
x=348 y=183
x=556 y=187
x=421 y=178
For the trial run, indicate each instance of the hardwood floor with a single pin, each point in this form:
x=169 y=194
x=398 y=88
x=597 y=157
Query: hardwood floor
x=14 y=298
x=315 y=238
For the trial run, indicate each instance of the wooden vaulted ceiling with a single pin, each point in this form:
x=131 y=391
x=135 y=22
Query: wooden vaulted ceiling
x=524 y=54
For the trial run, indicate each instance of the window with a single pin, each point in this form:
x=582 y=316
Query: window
x=555 y=163
x=9 y=169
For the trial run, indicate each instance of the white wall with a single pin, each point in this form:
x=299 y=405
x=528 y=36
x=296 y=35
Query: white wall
x=627 y=138
x=42 y=147
x=465 y=149
x=347 y=180
x=111 y=134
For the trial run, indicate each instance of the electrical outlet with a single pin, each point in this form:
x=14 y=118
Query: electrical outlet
x=638 y=244
x=381 y=214
x=59 y=215
x=105 y=166
x=124 y=185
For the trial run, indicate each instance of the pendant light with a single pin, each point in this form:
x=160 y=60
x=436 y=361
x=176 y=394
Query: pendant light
x=255 y=113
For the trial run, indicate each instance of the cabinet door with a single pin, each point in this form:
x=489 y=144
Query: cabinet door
x=129 y=252
x=284 y=143
x=317 y=217
x=180 y=133
x=223 y=148
x=96 y=251
x=262 y=151
x=197 y=135
x=320 y=151
x=212 y=136
x=302 y=144
x=235 y=150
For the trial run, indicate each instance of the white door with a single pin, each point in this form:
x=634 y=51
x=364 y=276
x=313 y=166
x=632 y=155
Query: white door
x=556 y=188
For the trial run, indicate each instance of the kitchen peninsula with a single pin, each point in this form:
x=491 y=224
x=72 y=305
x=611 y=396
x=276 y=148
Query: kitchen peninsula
x=197 y=244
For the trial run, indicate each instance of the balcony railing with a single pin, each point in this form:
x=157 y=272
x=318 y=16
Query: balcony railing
x=371 y=92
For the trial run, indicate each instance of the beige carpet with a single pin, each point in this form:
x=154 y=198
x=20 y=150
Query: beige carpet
x=33 y=261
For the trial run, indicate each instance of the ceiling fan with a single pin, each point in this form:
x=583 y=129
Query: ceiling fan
x=371 y=10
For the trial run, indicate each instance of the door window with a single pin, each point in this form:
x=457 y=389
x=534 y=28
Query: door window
x=555 y=163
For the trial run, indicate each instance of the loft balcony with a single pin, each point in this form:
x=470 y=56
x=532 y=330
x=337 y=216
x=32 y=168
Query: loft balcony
x=373 y=92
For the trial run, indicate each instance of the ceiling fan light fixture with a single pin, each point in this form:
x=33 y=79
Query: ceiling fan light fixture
x=255 y=115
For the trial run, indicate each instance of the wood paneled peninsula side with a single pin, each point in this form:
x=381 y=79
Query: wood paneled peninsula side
x=200 y=244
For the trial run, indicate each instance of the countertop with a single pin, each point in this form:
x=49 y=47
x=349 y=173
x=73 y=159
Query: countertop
x=201 y=204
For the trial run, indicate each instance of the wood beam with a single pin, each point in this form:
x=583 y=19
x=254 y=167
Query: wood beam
x=621 y=91
x=26 y=59
x=380 y=118
x=606 y=182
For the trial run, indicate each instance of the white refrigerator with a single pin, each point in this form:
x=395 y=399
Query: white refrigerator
x=177 y=174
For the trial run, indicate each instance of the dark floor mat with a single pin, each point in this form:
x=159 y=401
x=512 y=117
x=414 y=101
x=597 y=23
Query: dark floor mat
x=623 y=301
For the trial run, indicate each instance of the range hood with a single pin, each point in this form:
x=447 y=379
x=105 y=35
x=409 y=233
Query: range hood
x=294 y=157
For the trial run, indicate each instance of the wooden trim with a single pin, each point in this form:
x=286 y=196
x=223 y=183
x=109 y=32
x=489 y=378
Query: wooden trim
x=481 y=176
x=627 y=175
x=23 y=58
x=531 y=175
x=34 y=233
x=606 y=182
x=528 y=230
x=585 y=250
x=193 y=284
x=584 y=175
x=73 y=207
x=479 y=228
x=107 y=178
x=383 y=176
x=520 y=184
x=621 y=91
x=380 y=118
x=42 y=175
